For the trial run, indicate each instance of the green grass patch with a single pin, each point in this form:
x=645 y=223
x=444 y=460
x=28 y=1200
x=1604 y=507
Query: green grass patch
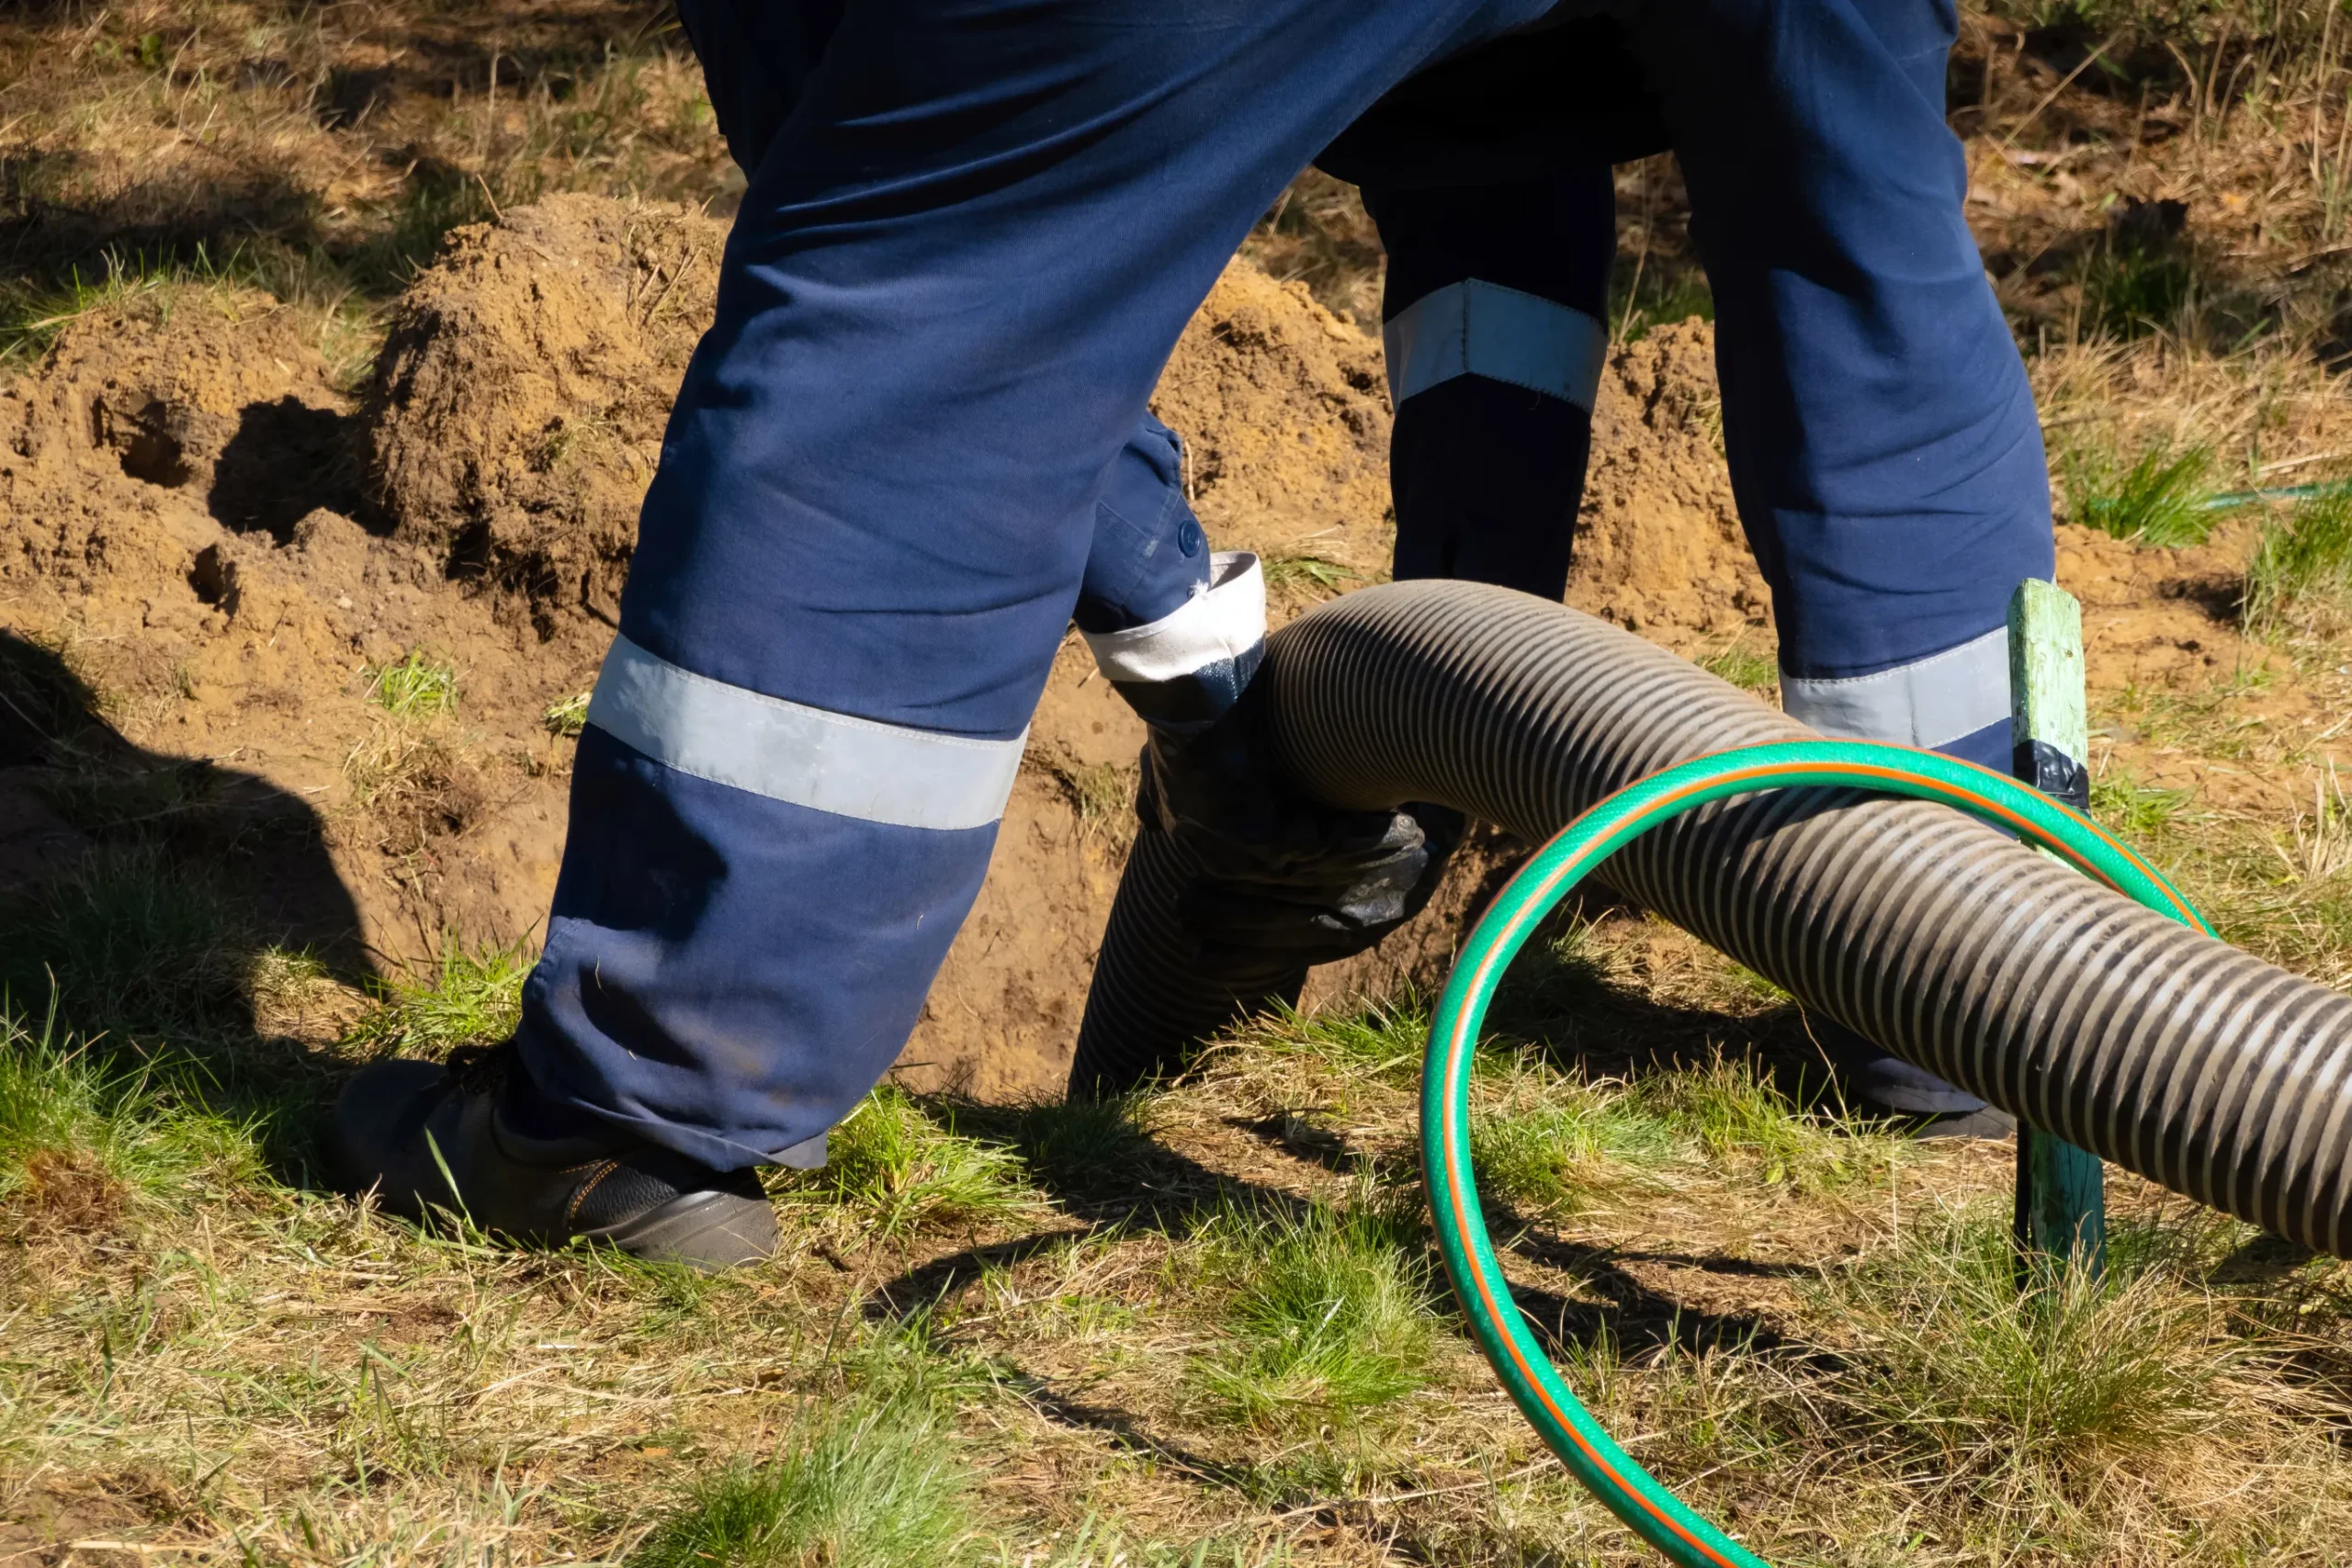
x=861 y=1482
x=905 y=1171
x=2132 y=288
x=472 y=996
x=1733 y=1113
x=1646 y=293
x=1311 y=574
x=1329 y=1314
x=415 y=687
x=1383 y=1040
x=1957 y=1372
x=132 y=942
x=2158 y=501
x=567 y=716
x=1744 y=667
x=1083 y=1144
x=1575 y=1140
x=78 y=1133
x=2301 y=566
x=34 y=312
x=2138 y=810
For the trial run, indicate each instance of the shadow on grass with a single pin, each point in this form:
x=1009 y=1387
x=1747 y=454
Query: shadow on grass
x=158 y=901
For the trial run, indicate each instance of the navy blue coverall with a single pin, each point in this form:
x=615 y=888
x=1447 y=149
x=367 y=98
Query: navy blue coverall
x=914 y=445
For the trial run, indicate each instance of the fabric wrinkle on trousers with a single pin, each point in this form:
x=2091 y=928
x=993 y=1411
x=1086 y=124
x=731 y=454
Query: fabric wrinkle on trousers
x=954 y=278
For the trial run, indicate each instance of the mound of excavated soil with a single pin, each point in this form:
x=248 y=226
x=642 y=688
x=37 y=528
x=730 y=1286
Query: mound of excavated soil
x=516 y=413
x=200 y=526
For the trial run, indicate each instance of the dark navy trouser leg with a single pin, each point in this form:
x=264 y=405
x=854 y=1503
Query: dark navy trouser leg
x=1883 y=448
x=1149 y=554
x=1883 y=444
x=1493 y=318
x=955 y=277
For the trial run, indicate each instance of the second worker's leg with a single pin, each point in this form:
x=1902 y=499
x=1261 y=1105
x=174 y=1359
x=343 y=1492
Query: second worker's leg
x=1883 y=444
x=1492 y=320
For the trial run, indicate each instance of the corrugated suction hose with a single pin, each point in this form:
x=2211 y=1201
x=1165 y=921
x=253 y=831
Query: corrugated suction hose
x=2170 y=1053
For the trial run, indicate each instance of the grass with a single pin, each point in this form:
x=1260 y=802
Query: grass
x=1731 y=1111
x=79 y=1135
x=134 y=941
x=1311 y=575
x=1744 y=667
x=2157 y=501
x=1008 y=1336
x=1103 y=793
x=1085 y=1145
x=472 y=996
x=1329 y=1316
x=1386 y=1039
x=1965 y=1377
x=2137 y=809
x=567 y=716
x=1567 y=1142
x=415 y=687
x=865 y=1484
x=2301 y=573
x=898 y=1172
x=2318 y=848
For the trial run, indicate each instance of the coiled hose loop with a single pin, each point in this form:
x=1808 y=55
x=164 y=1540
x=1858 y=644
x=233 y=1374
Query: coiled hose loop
x=1543 y=1396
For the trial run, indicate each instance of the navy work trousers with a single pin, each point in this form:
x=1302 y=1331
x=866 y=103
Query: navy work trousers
x=959 y=265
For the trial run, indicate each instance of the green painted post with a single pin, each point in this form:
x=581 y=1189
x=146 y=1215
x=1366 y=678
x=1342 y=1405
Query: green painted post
x=2062 y=1191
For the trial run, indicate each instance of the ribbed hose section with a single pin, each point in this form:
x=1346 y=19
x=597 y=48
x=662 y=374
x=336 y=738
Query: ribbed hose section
x=1153 y=997
x=2167 y=1052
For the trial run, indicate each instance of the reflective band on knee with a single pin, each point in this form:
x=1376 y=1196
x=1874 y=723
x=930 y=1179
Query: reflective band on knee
x=1927 y=702
x=1222 y=622
x=807 y=756
x=1476 y=328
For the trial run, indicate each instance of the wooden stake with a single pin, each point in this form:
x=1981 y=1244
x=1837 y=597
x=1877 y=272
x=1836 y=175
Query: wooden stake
x=2062 y=1191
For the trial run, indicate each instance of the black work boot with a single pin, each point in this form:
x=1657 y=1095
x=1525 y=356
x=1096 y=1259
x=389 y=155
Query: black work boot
x=1914 y=1101
x=421 y=1136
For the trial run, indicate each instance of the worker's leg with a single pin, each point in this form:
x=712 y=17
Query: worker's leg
x=1150 y=556
x=1882 y=440
x=1493 y=323
x=951 y=285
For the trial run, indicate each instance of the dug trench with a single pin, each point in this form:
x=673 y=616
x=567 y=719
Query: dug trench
x=224 y=580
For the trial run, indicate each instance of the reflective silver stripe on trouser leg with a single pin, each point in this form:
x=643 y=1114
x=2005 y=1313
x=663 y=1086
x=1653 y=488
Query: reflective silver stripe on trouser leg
x=806 y=756
x=1927 y=702
x=1476 y=328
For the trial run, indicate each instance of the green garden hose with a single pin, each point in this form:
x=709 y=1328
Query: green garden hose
x=1568 y=1428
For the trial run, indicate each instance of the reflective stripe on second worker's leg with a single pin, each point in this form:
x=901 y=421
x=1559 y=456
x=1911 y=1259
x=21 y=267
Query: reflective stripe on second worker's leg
x=803 y=755
x=1476 y=328
x=1929 y=702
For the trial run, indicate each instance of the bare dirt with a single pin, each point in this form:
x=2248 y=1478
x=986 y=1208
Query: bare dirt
x=224 y=548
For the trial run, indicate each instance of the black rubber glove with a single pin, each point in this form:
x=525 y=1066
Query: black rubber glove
x=1283 y=875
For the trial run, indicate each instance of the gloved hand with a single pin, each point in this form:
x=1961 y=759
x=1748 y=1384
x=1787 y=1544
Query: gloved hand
x=1283 y=875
